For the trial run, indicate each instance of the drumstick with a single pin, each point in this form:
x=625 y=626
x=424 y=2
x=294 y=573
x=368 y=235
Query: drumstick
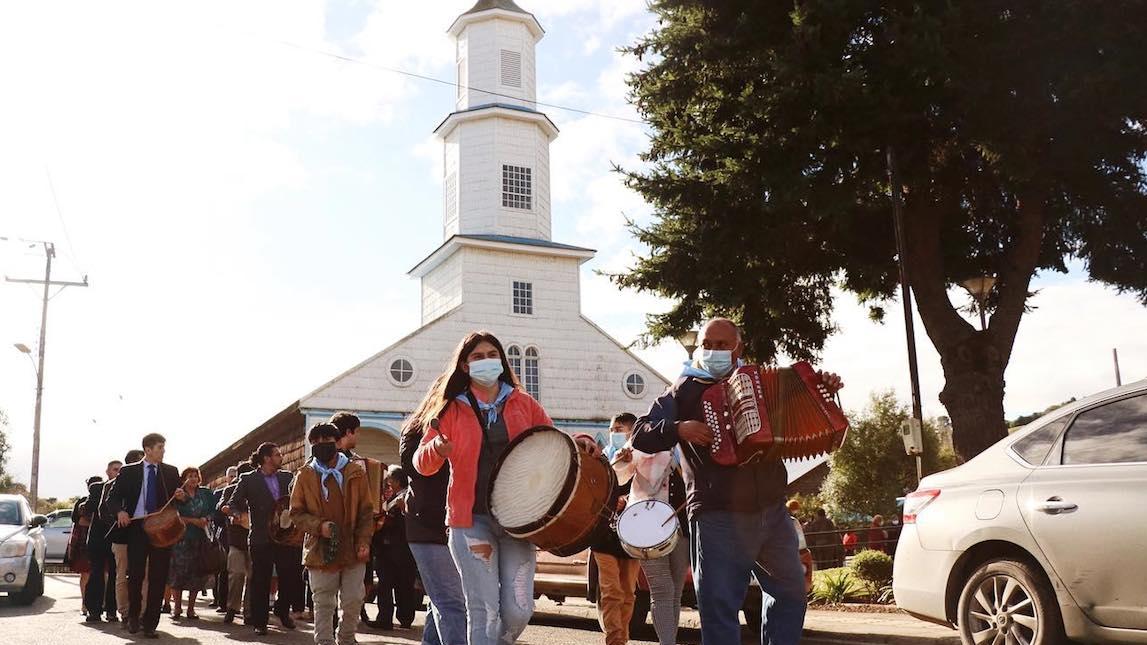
x=675 y=512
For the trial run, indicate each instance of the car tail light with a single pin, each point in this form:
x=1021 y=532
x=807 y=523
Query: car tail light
x=916 y=501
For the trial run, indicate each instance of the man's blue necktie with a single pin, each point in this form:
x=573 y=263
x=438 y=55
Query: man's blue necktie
x=151 y=504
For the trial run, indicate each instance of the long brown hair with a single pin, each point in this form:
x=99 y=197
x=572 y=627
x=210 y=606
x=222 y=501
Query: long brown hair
x=454 y=380
x=413 y=423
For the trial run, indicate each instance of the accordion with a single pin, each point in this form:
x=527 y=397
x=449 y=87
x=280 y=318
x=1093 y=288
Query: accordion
x=775 y=412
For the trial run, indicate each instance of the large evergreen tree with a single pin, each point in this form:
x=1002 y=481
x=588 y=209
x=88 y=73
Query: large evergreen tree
x=1020 y=130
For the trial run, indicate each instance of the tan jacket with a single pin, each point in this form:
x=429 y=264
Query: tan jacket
x=309 y=510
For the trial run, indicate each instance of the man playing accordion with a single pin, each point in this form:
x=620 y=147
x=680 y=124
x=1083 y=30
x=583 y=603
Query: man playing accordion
x=738 y=522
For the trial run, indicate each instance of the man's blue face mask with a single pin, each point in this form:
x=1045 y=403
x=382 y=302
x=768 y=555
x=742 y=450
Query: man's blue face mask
x=717 y=362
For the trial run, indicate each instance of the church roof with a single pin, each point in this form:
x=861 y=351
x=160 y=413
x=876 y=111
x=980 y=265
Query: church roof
x=498 y=242
x=528 y=241
x=508 y=6
x=486 y=5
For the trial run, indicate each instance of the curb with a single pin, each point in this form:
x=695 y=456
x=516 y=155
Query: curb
x=836 y=638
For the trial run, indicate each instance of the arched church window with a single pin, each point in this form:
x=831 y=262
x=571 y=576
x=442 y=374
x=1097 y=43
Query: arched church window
x=401 y=372
x=634 y=384
x=531 y=378
x=514 y=357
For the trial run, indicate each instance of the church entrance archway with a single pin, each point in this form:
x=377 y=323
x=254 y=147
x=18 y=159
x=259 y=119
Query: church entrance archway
x=378 y=443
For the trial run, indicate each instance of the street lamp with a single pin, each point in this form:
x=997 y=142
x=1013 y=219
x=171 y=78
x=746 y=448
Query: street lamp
x=688 y=340
x=979 y=287
x=35 y=483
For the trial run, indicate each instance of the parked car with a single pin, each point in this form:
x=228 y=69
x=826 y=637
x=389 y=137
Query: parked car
x=58 y=532
x=22 y=549
x=1041 y=537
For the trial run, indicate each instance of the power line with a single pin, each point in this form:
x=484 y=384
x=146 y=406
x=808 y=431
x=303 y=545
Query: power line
x=432 y=79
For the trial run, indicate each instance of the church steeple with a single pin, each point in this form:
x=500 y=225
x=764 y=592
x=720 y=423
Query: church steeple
x=497 y=145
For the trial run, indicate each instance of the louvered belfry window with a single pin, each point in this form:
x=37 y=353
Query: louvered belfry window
x=511 y=68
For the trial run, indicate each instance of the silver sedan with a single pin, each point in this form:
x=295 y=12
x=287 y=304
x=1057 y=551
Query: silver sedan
x=1041 y=537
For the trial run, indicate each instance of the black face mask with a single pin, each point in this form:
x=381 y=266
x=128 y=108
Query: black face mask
x=324 y=452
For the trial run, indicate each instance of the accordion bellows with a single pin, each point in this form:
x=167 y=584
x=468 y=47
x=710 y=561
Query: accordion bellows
x=772 y=412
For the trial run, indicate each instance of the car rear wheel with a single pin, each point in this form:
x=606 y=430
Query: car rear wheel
x=1006 y=602
x=33 y=586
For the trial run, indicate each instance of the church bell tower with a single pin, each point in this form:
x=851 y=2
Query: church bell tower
x=496 y=144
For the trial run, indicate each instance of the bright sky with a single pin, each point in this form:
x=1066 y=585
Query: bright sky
x=247 y=209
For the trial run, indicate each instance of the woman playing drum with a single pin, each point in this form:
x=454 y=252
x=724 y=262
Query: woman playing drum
x=477 y=409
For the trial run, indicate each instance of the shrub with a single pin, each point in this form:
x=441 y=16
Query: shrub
x=873 y=567
x=834 y=588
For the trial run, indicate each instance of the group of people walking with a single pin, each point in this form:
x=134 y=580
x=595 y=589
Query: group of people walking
x=432 y=518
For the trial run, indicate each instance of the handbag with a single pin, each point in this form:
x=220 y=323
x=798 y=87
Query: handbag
x=212 y=558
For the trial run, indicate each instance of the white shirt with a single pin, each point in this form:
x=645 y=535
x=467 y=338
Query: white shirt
x=141 y=505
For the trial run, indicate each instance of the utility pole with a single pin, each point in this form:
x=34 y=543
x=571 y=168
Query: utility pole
x=1118 y=377
x=49 y=252
x=906 y=297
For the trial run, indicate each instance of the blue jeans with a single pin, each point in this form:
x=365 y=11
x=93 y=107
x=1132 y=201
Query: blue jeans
x=726 y=547
x=497 y=574
x=446 y=620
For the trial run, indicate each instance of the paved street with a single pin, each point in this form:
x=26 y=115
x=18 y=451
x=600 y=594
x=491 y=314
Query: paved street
x=55 y=620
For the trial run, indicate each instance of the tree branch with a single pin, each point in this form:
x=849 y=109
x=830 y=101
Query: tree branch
x=1015 y=279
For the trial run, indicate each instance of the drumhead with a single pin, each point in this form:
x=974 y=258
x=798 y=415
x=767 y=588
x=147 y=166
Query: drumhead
x=530 y=476
x=644 y=524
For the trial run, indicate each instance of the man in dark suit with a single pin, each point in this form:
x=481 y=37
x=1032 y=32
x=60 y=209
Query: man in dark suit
x=257 y=493
x=99 y=596
x=140 y=489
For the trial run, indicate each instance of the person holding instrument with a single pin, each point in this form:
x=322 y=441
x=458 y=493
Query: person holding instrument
x=738 y=521
x=143 y=488
x=473 y=415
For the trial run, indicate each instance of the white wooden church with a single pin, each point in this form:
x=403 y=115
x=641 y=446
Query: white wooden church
x=497 y=268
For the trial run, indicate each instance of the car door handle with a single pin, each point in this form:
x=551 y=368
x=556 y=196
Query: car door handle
x=1055 y=506
x=65 y=532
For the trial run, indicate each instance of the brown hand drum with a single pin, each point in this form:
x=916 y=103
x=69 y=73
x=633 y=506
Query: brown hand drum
x=164 y=527
x=543 y=489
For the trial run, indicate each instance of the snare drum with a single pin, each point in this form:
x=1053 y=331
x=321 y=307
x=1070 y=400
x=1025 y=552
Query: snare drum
x=543 y=489
x=648 y=529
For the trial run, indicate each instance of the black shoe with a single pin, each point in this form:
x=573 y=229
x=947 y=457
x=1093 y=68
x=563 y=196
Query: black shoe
x=405 y=625
x=133 y=625
x=112 y=618
x=221 y=610
x=260 y=631
x=287 y=621
x=229 y=617
x=93 y=618
x=149 y=633
x=213 y=604
x=165 y=609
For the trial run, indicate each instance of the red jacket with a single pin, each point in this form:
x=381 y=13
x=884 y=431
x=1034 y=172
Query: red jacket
x=521 y=412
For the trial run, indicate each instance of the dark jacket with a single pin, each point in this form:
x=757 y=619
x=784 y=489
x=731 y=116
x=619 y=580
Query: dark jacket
x=252 y=495
x=426 y=501
x=98 y=534
x=749 y=487
x=237 y=536
x=113 y=532
x=125 y=489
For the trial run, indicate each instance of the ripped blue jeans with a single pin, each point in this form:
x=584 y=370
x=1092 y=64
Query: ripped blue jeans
x=497 y=574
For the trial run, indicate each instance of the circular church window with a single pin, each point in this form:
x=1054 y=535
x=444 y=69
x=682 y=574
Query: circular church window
x=401 y=372
x=634 y=384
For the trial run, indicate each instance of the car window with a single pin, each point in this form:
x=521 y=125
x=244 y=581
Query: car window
x=9 y=512
x=1034 y=447
x=61 y=521
x=1115 y=433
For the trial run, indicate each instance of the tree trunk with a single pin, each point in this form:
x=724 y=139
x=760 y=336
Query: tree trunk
x=974 y=393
